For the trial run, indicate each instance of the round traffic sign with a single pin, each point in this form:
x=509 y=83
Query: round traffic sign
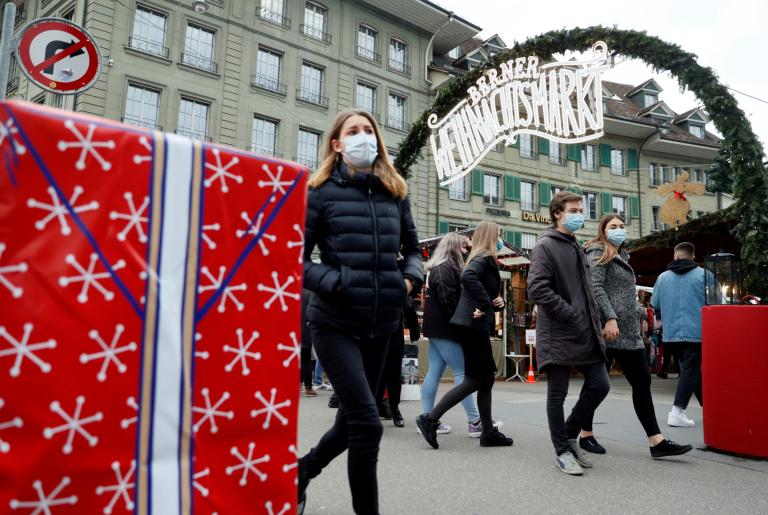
x=58 y=56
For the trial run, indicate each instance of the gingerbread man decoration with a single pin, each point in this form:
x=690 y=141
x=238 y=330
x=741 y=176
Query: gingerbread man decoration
x=675 y=210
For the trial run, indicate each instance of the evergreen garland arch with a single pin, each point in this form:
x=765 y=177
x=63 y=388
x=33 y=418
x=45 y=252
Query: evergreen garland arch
x=742 y=155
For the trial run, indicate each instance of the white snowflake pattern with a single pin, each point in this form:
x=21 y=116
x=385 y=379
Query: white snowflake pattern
x=247 y=464
x=45 y=501
x=242 y=352
x=275 y=181
x=222 y=173
x=279 y=291
x=16 y=422
x=202 y=354
x=293 y=464
x=74 y=424
x=297 y=243
x=255 y=230
x=135 y=218
x=57 y=210
x=207 y=239
x=131 y=403
x=88 y=146
x=8 y=130
x=88 y=278
x=271 y=408
x=271 y=510
x=138 y=158
x=211 y=411
x=196 y=481
x=108 y=352
x=19 y=268
x=294 y=350
x=23 y=349
x=228 y=291
x=120 y=489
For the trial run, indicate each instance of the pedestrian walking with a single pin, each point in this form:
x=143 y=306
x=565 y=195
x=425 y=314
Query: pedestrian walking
x=359 y=216
x=471 y=322
x=306 y=346
x=678 y=297
x=613 y=280
x=568 y=331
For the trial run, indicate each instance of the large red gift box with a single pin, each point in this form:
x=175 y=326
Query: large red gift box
x=150 y=293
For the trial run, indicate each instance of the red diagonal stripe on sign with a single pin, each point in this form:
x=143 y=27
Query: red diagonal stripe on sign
x=61 y=55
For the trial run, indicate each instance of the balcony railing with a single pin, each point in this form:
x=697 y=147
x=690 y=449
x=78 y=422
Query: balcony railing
x=309 y=162
x=396 y=122
x=265 y=151
x=399 y=67
x=269 y=84
x=312 y=97
x=21 y=16
x=200 y=136
x=315 y=33
x=13 y=85
x=273 y=17
x=201 y=63
x=527 y=206
x=367 y=53
x=149 y=47
x=138 y=122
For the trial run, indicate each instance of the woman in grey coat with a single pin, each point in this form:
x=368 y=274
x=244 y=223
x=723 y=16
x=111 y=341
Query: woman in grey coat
x=620 y=313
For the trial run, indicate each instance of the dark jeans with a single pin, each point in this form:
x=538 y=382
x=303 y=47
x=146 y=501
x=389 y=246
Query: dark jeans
x=354 y=367
x=635 y=368
x=593 y=392
x=669 y=354
x=307 y=369
x=393 y=365
x=689 y=382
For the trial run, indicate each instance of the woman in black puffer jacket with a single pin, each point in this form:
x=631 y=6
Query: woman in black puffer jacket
x=359 y=217
x=473 y=320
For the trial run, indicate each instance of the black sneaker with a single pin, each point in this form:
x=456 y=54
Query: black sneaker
x=589 y=444
x=495 y=438
x=397 y=418
x=428 y=429
x=333 y=402
x=669 y=448
x=384 y=412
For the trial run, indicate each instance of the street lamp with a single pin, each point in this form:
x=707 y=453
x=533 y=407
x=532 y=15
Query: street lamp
x=722 y=278
x=200 y=6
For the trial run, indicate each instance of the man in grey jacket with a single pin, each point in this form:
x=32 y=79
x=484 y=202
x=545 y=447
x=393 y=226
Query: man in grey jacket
x=568 y=331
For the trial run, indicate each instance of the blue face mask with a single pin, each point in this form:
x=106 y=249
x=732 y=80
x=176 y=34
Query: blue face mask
x=499 y=245
x=360 y=150
x=616 y=236
x=573 y=222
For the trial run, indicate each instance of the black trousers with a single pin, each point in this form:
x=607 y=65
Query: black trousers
x=307 y=369
x=689 y=382
x=354 y=367
x=669 y=354
x=635 y=368
x=393 y=365
x=593 y=392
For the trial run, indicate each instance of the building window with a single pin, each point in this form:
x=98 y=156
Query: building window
x=268 y=65
x=650 y=99
x=198 y=48
x=620 y=206
x=272 y=11
x=527 y=241
x=526 y=146
x=69 y=15
x=264 y=136
x=457 y=190
x=675 y=172
x=149 y=31
x=142 y=106
x=456 y=227
x=589 y=202
x=588 y=158
x=698 y=175
x=491 y=188
x=455 y=53
x=315 y=21
x=654 y=170
x=556 y=153
x=39 y=99
x=368 y=43
x=656 y=219
x=309 y=146
x=617 y=161
x=666 y=173
x=312 y=80
x=527 y=198
x=696 y=130
x=707 y=182
x=398 y=56
x=396 y=111
x=193 y=119
x=365 y=98
x=554 y=190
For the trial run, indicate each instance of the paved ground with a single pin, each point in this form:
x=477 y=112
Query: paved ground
x=463 y=478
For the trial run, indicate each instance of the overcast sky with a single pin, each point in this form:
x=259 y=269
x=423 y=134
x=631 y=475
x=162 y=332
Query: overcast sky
x=730 y=37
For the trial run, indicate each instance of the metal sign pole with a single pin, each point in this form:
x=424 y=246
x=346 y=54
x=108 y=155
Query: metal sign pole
x=9 y=18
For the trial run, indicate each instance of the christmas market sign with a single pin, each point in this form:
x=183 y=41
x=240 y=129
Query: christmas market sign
x=520 y=96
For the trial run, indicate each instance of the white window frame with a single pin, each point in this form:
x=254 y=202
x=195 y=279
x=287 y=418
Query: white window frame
x=526 y=146
x=666 y=173
x=489 y=180
x=527 y=202
x=273 y=11
x=617 y=161
x=616 y=210
x=696 y=130
x=556 y=153
x=396 y=120
x=395 y=64
x=527 y=240
x=588 y=158
x=265 y=69
x=589 y=213
x=368 y=42
x=141 y=119
x=360 y=87
x=698 y=175
x=304 y=156
x=457 y=227
x=458 y=190
x=311 y=87
x=454 y=53
x=312 y=13
x=146 y=34
x=194 y=129
x=649 y=99
x=263 y=130
x=655 y=173
x=198 y=50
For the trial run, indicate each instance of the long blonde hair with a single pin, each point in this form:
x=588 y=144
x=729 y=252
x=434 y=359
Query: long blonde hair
x=382 y=167
x=484 y=241
x=609 y=251
x=449 y=249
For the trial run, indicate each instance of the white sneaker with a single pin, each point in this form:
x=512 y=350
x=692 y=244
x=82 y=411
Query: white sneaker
x=442 y=429
x=325 y=387
x=680 y=420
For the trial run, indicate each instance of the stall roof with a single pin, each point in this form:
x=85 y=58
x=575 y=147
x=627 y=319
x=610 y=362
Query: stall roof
x=509 y=256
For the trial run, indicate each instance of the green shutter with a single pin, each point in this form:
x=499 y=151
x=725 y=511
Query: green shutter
x=443 y=227
x=574 y=152
x=512 y=188
x=516 y=144
x=477 y=182
x=442 y=187
x=634 y=207
x=509 y=236
x=632 y=163
x=606 y=203
x=518 y=240
x=544 y=146
x=605 y=155
x=574 y=189
x=545 y=193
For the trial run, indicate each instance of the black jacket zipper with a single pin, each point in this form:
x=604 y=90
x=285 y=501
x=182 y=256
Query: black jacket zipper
x=375 y=259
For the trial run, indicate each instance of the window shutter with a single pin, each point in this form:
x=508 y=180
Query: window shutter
x=632 y=163
x=574 y=152
x=509 y=236
x=512 y=188
x=605 y=154
x=606 y=203
x=477 y=182
x=575 y=189
x=443 y=227
x=518 y=241
x=544 y=146
x=545 y=193
x=634 y=207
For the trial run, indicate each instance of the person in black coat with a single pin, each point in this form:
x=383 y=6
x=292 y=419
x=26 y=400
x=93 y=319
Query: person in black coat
x=359 y=216
x=473 y=321
x=307 y=367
